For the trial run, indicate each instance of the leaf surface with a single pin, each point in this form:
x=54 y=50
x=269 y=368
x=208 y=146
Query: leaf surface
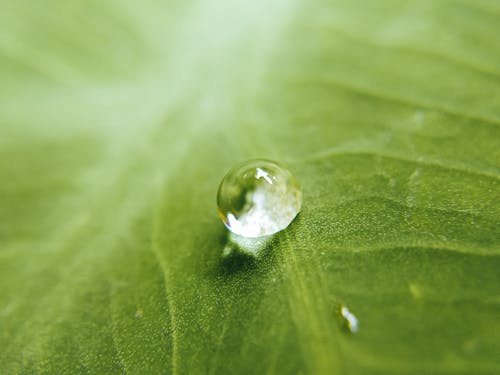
x=118 y=121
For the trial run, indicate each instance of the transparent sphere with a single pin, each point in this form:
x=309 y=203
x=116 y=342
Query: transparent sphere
x=258 y=198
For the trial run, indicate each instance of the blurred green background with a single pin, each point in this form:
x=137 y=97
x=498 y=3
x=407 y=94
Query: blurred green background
x=118 y=120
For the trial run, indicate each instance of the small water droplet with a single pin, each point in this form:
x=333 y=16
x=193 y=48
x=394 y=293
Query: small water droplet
x=349 y=320
x=258 y=198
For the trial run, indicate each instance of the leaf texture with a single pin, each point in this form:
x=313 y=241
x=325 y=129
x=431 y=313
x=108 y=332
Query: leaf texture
x=118 y=121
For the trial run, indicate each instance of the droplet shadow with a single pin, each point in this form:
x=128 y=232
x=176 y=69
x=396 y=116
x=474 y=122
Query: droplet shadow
x=241 y=253
x=236 y=262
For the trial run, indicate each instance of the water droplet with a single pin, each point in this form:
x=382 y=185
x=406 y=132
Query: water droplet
x=258 y=198
x=349 y=320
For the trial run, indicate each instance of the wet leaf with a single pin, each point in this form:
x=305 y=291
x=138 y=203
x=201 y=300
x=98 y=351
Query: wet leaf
x=118 y=121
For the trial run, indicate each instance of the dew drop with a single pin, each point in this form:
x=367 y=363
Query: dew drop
x=349 y=319
x=258 y=198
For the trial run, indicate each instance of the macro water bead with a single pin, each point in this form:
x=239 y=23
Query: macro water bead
x=258 y=198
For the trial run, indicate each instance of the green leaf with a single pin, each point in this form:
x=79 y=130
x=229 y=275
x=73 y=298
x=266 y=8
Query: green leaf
x=118 y=120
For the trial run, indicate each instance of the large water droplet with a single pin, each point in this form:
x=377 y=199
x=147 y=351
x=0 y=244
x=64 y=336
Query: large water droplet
x=258 y=198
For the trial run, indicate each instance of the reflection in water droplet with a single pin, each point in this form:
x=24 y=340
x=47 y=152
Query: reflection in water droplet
x=349 y=319
x=258 y=198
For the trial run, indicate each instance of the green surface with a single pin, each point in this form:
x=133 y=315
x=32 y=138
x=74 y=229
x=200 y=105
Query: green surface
x=117 y=121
